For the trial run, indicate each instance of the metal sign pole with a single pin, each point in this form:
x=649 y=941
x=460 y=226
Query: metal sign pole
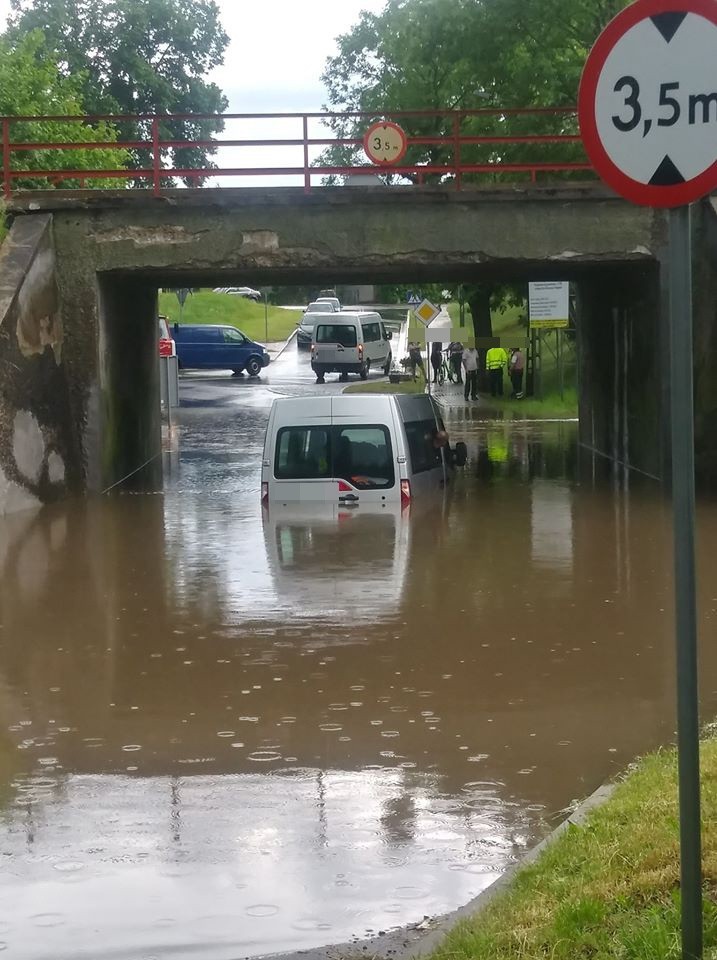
x=683 y=500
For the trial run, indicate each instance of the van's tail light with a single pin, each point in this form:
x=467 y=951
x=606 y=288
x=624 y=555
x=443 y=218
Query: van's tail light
x=405 y=491
x=344 y=487
x=264 y=491
x=360 y=351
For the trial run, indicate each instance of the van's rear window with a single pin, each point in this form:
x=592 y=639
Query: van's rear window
x=361 y=454
x=336 y=333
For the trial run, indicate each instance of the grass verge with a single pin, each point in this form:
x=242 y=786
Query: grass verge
x=385 y=386
x=607 y=889
x=209 y=307
x=550 y=407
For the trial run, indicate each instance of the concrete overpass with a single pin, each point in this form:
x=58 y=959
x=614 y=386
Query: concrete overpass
x=78 y=289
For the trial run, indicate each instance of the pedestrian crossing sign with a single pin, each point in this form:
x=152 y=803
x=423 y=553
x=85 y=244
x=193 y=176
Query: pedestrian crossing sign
x=426 y=312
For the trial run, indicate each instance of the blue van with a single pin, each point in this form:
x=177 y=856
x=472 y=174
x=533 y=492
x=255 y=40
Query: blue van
x=214 y=347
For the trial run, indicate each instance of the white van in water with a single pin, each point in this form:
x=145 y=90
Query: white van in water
x=350 y=342
x=352 y=449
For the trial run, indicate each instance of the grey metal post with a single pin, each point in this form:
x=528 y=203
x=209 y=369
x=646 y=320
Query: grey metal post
x=683 y=501
x=266 y=317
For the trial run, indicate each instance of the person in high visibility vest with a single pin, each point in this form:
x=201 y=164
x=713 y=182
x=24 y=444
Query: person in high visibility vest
x=495 y=361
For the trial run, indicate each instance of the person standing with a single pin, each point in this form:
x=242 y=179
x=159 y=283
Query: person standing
x=455 y=357
x=416 y=359
x=470 y=365
x=495 y=360
x=516 y=368
x=436 y=360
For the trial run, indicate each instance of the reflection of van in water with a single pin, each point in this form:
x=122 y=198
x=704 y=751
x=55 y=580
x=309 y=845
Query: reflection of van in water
x=335 y=563
x=352 y=449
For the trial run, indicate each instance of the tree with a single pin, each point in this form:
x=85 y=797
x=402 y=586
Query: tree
x=137 y=57
x=448 y=55
x=32 y=85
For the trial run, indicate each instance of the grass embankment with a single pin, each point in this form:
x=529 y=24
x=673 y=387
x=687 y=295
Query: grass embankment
x=608 y=889
x=550 y=407
x=385 y=386
x=247 y=316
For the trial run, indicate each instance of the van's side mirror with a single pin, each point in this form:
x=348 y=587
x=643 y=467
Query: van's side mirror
x=389 y=335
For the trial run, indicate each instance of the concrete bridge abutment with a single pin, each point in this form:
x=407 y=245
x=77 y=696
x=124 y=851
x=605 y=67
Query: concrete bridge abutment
x=113 y=250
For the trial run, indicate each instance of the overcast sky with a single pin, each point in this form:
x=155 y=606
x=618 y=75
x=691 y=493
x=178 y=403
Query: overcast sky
x=279 y=48
x=277 y=52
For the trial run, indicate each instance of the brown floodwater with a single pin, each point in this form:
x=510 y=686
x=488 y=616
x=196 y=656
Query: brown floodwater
x=228 y=733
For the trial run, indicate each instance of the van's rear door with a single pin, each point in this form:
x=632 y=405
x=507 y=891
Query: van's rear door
x=298 y=457
x=364 y=451
x=335 y=343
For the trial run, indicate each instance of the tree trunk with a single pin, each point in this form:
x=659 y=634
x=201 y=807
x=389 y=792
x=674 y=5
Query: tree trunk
x=479 y=303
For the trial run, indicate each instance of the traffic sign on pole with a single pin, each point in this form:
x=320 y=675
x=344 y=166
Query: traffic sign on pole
x=648 y=117
x=426 y=312
x=648 y=102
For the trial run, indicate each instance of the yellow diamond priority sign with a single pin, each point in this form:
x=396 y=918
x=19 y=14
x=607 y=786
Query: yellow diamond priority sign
x=426 y=312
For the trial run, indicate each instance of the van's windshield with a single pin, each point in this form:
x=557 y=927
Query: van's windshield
x=336 y=333
x=360 y=454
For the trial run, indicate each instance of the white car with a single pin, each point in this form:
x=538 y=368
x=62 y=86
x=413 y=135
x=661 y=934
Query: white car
x=334 y=301
x=247 y=292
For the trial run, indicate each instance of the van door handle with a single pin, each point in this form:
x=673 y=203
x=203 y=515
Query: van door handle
x=348 y=498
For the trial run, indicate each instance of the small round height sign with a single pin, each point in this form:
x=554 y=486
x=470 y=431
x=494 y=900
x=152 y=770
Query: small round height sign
x=385 y=143
x=648 y=102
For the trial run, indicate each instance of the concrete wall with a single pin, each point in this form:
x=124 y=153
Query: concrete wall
x=623 y=362
x=40 y=451
x=112 y=251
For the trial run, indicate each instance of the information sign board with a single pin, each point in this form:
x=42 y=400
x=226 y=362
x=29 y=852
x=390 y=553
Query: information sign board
x=549 y=304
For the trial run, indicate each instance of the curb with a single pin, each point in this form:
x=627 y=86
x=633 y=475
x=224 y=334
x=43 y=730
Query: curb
x=419 y=939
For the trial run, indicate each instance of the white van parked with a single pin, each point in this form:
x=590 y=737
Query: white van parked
x=350 y=450
x=350 y=342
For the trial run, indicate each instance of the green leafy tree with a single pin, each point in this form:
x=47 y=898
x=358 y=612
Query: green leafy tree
x=448 y=55
x=32 y=85
x=138 y=57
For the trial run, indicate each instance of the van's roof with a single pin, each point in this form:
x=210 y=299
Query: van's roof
x=290 y=411
x=347 y=316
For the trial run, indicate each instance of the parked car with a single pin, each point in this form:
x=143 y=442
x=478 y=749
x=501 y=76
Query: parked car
x=167 y=346
x=316 y=308
x=320 y=306
x=215 y=347
x=334 y=301
x=247 y=292
x=350 y=342
x=352 y=450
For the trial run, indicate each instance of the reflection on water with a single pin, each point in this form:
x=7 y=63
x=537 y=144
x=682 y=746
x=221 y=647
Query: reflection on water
x=236 y=732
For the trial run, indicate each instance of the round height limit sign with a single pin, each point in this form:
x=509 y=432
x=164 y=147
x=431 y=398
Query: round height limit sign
x=648 y=102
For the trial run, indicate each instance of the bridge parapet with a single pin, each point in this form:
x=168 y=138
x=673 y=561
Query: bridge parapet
x=454 y=147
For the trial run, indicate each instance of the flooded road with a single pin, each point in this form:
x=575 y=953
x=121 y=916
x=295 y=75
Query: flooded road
x=227 y=733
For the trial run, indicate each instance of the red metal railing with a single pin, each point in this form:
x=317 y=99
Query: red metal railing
x=463 y=150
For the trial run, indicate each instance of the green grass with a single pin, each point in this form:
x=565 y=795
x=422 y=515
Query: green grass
x=208 y=307
x=551 y=406
x=504 y=324
x=607 y=889
x=384 y=386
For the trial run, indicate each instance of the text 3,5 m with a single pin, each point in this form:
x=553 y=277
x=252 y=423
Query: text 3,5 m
x=701 y=107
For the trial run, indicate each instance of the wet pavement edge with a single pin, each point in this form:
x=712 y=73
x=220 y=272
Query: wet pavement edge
x=420 y=939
